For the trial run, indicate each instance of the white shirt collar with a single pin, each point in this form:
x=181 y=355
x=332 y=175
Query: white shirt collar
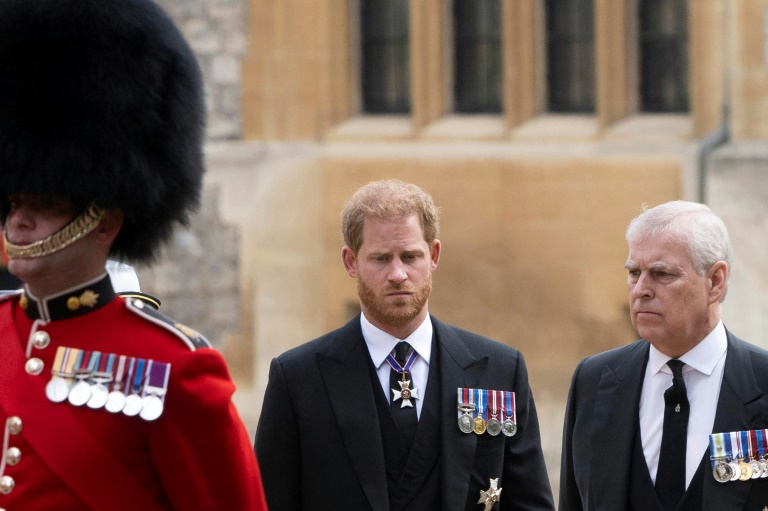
x=703 y=357
x=380 y=344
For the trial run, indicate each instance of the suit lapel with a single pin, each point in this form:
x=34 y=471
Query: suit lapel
x=739 y=403
x=458 y=368
x=616 y=408
x=345 y=371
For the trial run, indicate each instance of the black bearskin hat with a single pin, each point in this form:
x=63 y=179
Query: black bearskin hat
x=102 y=100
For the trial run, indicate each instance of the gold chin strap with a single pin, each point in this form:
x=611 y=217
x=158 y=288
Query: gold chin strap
x=81 y=225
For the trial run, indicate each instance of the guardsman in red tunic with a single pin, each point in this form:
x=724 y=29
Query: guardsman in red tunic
x=105 y=403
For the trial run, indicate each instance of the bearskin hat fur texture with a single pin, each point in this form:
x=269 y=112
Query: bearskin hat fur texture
x=102 y=100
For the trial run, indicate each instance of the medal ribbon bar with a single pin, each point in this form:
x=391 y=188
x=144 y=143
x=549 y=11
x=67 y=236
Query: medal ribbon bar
x=78 y=356
x=133 y=403
x=754 y=462
x=157 y=378
x=481 y=398
x=495 y=400
x=735 y=445
x=120 y=374
x=466 y=406
x=493 y=404
x=731 y=443
x=510 y=406
x=722 y=470
x=480 y=401
x=743 y=445
x=717 y=448
x=57 y=389
x=746 y=469
x=466 y=401
x=80 y=393
x=138 y=378
x=102 y=374
x=116 y=398
x=59 y=361
x=73 y=360
x=129 y=375
x=761 y=451
x=98 y=363
x=153 y=396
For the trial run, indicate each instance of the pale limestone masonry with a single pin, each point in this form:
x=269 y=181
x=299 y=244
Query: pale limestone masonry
x=217 y=32
x=737 y=190
x=196 y=279
x=534 y=205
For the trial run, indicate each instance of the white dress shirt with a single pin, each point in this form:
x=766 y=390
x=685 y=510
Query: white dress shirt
x=380 y=344
x=703 y=375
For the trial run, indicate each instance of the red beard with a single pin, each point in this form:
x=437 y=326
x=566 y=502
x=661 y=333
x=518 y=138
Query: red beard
x=396 y=313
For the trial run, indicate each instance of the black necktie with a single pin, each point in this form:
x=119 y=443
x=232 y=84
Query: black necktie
x=670 y=477
x=405 y=416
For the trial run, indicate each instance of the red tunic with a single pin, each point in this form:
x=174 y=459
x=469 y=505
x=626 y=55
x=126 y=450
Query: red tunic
x=196 y=456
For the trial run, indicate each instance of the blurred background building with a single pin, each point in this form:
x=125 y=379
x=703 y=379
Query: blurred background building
x=540 y=127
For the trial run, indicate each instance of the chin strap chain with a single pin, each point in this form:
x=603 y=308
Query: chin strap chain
x=79 y=227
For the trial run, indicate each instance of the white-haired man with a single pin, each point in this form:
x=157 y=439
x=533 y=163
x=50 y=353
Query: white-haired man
x=676 y=419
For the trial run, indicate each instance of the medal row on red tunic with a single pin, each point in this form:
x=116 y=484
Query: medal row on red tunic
x=491 y=411
x=118 y=383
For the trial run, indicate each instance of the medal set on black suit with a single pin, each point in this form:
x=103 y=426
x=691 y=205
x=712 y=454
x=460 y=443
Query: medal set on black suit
x=487 y=411
x=739 y=455
x=491 y=411
x=480 y=410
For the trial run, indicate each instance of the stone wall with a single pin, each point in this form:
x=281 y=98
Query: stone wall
x=533 y=217
x=737 y=190
x=217 y=32
x=197 y=276
x=533 y=246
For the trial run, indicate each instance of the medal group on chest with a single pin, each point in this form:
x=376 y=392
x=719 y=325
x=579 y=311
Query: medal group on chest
x=739 y=455
x=491 y=411
x=118 y=383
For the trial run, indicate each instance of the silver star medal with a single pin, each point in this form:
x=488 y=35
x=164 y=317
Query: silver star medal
x=490 y=496
x=405 y=393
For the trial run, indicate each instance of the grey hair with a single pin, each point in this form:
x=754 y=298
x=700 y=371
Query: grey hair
x=693 y=224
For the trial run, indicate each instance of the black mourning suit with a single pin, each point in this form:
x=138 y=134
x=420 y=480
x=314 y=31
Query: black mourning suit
x=324 y=439
x=603 y=468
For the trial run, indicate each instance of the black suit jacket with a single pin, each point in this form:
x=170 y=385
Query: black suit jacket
x=319 y=443
x=602 y=415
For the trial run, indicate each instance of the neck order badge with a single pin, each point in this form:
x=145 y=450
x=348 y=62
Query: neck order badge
x=405 y=392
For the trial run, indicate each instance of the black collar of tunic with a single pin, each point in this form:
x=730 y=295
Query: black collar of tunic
x=74 y=302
